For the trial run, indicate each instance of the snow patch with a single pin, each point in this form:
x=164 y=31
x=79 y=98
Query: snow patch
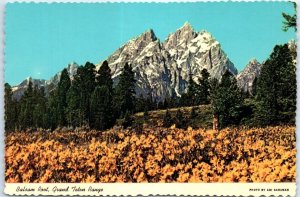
x=14 y=88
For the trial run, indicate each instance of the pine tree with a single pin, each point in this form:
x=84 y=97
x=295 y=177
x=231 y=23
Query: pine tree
x=57 y=102
x=7 y=106
x=79 y=96
x=40 y=108
x=190 y=98
x=52 y=117
x=192 y=121
x=101 y=111
x=124 y=100
x=197 y=93
x=127 y=120
x=214 y=84
x=193 y=114
x=165 y=104
x=104 y=77
x=204 y=87
x=26 y=110
x=146 y=114
x=87 y=86
x=74 y=115
x=180 y=120
x=10 y=107
x=167 y=121
x=140 y=103
x=290 y=21
x=62 y=89
x=254 y=87
x=276 y=89
x=227 y=101
x=102 y=115
x=150 y=103
x=186 y=99
x=160 y=105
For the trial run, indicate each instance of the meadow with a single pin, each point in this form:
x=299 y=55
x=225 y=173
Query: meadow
x=152 y=155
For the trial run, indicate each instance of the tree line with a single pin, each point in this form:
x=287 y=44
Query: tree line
x=273 y=99
x=91 y=98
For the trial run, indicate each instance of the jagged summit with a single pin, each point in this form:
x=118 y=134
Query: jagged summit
x=34 y=82
x=181 y=36
x=246 y=78
x=148 y=35
x=162 y=69
x=19 y=90
x=252 y=61
x=48 y=85
x=187 y=23
x=187 y=26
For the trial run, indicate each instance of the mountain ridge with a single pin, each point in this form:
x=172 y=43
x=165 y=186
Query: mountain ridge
x=162 y=68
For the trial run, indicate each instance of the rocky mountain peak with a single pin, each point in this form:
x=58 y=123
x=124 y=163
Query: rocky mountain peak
x=72 y=70
x=34 y=82
x=253 y=65
x=252 y=62
x=181 y=37
x=146 y=37
x=187 y=27
x=19 y=90
x=162 y=69
x=149 y=35
x=246 y=78
x=132 y=50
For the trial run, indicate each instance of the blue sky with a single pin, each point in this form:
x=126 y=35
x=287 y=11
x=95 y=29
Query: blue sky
x=41 y=39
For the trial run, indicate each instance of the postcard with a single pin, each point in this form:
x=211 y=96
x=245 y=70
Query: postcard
x=150 y=98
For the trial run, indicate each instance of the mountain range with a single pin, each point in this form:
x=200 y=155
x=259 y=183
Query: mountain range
x=162 y=69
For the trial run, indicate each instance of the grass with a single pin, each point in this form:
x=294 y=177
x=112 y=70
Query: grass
x=203 y=118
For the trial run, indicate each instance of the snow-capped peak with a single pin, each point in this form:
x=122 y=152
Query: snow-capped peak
x=162 y=69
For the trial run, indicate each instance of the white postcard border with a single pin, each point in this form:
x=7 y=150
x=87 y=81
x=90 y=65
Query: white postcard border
x=125 y=189
x=145 y=189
